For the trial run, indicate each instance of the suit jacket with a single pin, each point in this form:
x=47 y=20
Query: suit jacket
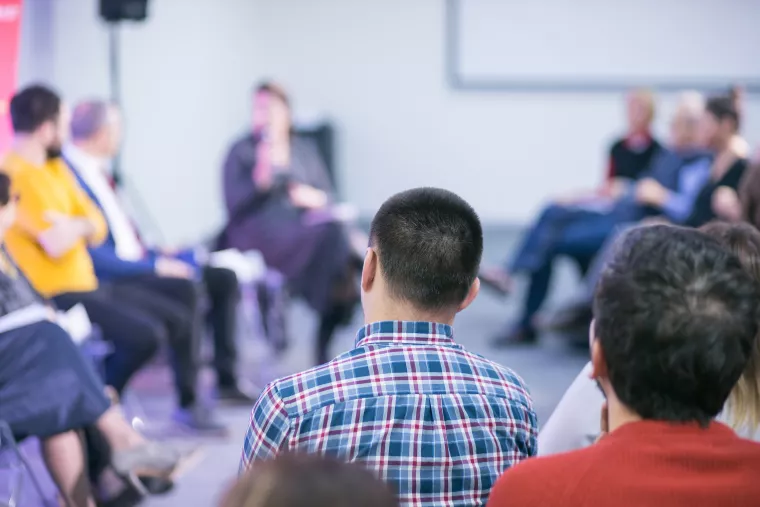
x=108 y=265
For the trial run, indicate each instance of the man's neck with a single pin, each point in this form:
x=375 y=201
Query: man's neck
x=402 y=313
x=618 y=414
x=30 y=150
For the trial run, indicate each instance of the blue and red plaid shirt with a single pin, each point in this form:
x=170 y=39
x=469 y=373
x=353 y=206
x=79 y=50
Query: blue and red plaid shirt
x=436 y=422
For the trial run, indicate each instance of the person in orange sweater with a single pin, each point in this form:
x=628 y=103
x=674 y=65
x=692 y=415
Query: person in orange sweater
x=675 y=322
x=56 y=222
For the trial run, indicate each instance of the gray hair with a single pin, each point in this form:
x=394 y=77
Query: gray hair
x=87 y=118
x=691 y=105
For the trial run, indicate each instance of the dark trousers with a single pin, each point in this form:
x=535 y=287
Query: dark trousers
x=223 y=293
x=173 y=302
x=136 y=316
x=560 y=230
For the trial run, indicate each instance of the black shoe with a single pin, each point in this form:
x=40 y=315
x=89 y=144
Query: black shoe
x=516 y=336
x=156 y=485
x=130 y=496
x=240 y=393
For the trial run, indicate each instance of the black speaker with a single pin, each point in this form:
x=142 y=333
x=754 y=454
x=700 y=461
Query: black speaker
x=114 y=11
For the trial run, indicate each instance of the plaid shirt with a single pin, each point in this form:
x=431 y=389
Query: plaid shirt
x=436 y=422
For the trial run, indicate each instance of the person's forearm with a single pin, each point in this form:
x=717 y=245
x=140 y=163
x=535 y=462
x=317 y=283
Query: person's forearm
x=87 y=228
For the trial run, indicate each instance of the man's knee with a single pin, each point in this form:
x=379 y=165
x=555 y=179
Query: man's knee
x=146 y=337
x=221 y=282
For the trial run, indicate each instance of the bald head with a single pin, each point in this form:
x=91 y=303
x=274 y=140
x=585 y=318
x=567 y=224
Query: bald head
x=95 y=127
x=684 y=126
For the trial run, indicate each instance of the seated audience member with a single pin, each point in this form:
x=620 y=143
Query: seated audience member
x=575 y=421
x=746 y=206
x=48 y=390
x=149 y=279
x=630 y=155
x=278 y=202
x=669 y=185
x=437 y=422
x=717 y=198
x=308 y=480
x=56 y=223
x=676 y=321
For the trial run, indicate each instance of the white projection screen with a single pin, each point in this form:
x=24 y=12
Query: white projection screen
x=598 y=44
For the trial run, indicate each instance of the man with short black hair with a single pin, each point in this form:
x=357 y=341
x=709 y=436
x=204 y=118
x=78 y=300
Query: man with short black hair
x=676 y=316
x=435 y=421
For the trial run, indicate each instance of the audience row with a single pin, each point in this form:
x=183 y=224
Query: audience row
x=407 y=416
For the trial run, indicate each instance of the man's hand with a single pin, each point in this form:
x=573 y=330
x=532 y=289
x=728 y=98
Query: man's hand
x=725 y=204
x=63 y=233
x=307 y=197
x=649 y=191
x=166 y=267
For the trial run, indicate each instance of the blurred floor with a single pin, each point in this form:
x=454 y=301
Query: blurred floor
x=547 y=369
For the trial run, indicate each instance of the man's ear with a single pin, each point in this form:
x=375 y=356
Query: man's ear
x=471 y=294
x=369 y=270
x=598 y=363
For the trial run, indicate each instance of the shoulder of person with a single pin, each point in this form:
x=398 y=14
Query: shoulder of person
x=541 y=481
x=617 y=145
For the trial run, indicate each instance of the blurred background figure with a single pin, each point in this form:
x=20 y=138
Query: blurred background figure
x=279 y=202
x=154 y=279
x=304 y=480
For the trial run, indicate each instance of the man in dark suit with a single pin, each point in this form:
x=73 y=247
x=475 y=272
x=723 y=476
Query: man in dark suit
x=156 y=280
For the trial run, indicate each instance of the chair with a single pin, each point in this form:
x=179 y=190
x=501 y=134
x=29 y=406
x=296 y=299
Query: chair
x=14 y=466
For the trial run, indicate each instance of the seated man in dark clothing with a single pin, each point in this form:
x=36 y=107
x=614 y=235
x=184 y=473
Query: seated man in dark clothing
x=144 y=276
x=279 y=203
x=718 y=129
x=580 y=231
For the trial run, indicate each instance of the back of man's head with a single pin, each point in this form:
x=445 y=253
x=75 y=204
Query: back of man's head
x=675 y=316
x=32 y=107
x=88 y=118
x=429 y=243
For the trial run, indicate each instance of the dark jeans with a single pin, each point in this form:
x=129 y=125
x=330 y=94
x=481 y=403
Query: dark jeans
x=134 y=334
x=560 y=230
x=135 y=316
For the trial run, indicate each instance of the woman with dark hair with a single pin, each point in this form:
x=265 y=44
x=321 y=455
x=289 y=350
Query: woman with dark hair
x=306 y=480
x=278 y=199
x=49 y=391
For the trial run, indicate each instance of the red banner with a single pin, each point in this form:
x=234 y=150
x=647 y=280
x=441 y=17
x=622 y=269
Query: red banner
x=10 y=31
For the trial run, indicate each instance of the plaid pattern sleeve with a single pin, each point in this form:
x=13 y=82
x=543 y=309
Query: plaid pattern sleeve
x=439 y=424
x=269 y=428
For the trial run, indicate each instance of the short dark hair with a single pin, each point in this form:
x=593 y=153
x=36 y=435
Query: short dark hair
x=295 y=480
x=32 y=107
x=723 y=107
x=676 y=315
x=429 y=243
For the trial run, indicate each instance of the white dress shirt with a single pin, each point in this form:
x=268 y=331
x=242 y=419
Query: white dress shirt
x=92 y=171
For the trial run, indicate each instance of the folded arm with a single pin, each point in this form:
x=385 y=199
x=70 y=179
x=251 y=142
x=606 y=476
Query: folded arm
x=57 y=230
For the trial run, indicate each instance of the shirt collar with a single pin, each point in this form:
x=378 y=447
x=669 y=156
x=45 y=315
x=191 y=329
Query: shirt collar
x=396 y=331
x=81 y=160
